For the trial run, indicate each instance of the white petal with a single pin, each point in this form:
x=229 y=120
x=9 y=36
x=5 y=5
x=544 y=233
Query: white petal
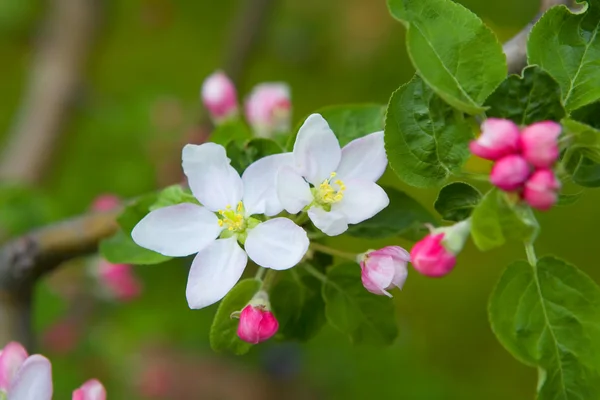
x=363 y=158
x=260 y=179
x=214 y=271
x=34 y=380
x=178 y=230
x=214 y=182
x=292 y=190
x=362 y=200
x=331 y=223
x=277 y=243
x=316 y=151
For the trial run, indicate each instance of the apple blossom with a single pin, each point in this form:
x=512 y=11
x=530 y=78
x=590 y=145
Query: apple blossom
x=90 y=390
x=106 y=202
x=539 y=143
x=268 y=109
x=509 y=173
x=257 y=322
x=383 y=269
x=435 y=254
x=24 y=377
x=336 y=186
x=219 y=97
x=541 y=190
x=118 y=280
x=225 y=219
x=499 y=138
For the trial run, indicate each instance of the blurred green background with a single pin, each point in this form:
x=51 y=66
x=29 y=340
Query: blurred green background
x=138 y=104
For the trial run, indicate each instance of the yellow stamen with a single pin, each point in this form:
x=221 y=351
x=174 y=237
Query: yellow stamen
x=232 y=220
x=326 y=194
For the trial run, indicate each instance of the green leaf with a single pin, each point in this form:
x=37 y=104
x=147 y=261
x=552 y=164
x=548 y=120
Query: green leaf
x=456 y=201
x=589 y=115
x=584 y=139
x=425 y=139
x=452 y=50
x=403 y=217
x=348 y=121
x=566 y=199
x=242 y=154
x=566 y=44
x=549 y=317
x=494 y=221
x=584 y=171
x=230 y=131
x=135 y=210
x=223 y=331
x=351 y=309
x=121 y=249
x=532 y=97
x=173 y=195
x=298 y=305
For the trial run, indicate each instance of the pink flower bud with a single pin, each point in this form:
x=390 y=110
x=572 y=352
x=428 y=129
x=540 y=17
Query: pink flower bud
x=499 y=138
x=106 y=202
x=539 y=143
x=12 y=358
x=509 y=173
x=383 y=269
x=541 y=190
x=435 y=254
x=120 y=280
x=91 y=390
x=257 y=324
x=268 y=109
x=219 y=97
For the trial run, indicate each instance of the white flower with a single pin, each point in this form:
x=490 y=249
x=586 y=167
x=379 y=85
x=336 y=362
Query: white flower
x=213 y=231
x=337 y=186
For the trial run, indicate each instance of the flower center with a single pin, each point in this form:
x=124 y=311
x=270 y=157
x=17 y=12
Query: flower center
x=326 y=194
x=233 y=220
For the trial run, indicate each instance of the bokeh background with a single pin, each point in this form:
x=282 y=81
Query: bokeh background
x=137 y=104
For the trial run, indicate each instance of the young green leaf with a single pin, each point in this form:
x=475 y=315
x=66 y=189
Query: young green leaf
x=456 y=201
x=223 y=331
x=349 y=121
x=584 y=171
x=404 y=216
x=425 y=139
x=230 y=131
x=298 y=305
x=121 y=249
x=567 y=45
x=494 y=221
x=566 y=199
x=351 y=309
x=547 y=316
x=452 y=50
x=173 y=195
x=532 y=97
x=135 y=210
x=242 y=154
x=584 y=139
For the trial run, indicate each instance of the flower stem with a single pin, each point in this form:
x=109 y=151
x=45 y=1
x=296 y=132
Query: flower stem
x=301 y=218
x=530 y=251
x=333 y=252
x=260 y=272
x=269 y=279
x=316 y=273
x=474 y=176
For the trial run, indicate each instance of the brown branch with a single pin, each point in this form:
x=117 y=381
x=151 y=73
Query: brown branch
x=25 y=259
x=56 y=68
x=516 y=48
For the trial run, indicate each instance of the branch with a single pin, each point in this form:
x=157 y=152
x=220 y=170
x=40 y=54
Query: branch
x=516 y=48
x=25 y=259
x=56 y=68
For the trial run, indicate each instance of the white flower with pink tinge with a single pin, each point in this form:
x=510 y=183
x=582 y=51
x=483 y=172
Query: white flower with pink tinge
x=336 y=186
x=226 y=220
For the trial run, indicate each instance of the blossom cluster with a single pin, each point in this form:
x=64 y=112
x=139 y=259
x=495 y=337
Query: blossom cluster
x=523 y=160
x=25 y=377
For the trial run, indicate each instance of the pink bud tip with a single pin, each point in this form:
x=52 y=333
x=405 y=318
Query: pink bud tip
x=384 y=268
x=539 y=143
x=499 y=138
x=105 y=202
x=268 y=109
x=431 y=258
x=219 y=96
x=256 y=324
x=541 y=190
x=91 y=390
x=509 y=173
x=120 y=280
x=12 y=358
